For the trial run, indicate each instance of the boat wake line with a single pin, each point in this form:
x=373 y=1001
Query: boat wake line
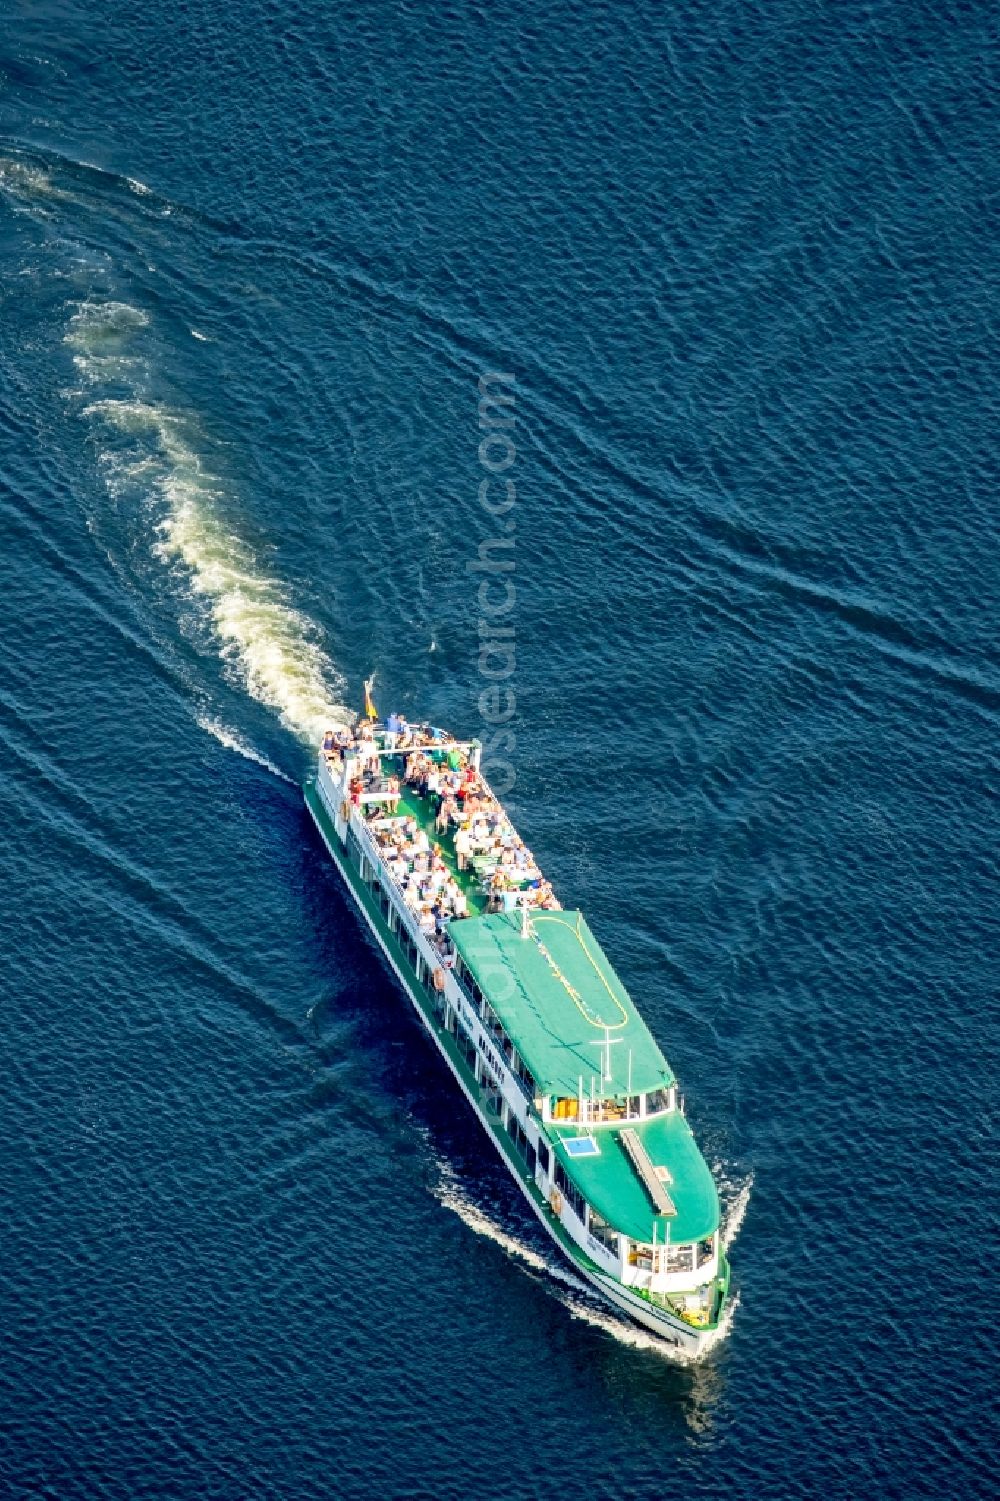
x=235 y=742
x=150 y=463
x=735 y=1206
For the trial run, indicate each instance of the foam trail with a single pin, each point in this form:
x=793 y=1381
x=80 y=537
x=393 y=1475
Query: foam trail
x=736 y=1212
x=234 y=742
x=449 y=1192
x=269 y=644
x=99 y=335
x=98 y=325
x=22 y=180
x=483 y=1224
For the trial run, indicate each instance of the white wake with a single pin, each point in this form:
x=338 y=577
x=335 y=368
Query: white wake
x=735 y=1204
x=270 y=646
x=236 y=742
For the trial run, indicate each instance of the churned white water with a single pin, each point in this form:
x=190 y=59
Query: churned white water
x=271 y=647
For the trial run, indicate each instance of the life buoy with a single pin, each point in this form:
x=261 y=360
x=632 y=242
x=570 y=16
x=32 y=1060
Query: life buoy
x=556 y=1202
x=439 y=979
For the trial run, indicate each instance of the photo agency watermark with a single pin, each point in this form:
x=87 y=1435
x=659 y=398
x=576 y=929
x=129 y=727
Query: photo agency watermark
x=494 y=566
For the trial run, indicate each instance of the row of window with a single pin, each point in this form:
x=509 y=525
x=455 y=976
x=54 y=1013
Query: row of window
x=568 y=1107
x=574 y=1198
x=466 y=1047
x=522 y=1145
x=494 y=1027
x=602 y=1231
x=670 y=1258
x=525 y=1148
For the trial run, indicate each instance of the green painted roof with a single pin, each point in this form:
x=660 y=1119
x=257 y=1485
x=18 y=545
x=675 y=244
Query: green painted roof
x=610 y=1184
x=558 y=999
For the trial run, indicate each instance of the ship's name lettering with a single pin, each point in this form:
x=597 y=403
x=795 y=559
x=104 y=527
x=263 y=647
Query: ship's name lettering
x=492 y=1057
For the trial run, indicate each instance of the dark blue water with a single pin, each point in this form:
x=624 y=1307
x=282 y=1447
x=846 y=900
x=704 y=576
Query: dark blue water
x=741 y=261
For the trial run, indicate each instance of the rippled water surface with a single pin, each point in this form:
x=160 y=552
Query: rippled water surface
x=741 y=261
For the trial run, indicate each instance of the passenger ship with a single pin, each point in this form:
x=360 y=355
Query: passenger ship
x=541 y=1036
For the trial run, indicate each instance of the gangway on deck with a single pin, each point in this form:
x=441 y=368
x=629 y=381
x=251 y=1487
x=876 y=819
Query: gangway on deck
x=662 y=1202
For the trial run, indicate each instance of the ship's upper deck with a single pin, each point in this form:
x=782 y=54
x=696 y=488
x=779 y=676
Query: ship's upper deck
x=442 y=833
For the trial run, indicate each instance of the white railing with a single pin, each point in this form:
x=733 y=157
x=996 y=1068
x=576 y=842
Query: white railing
x=363 y=835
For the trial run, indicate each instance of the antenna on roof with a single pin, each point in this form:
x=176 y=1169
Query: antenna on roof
x=607 y=1043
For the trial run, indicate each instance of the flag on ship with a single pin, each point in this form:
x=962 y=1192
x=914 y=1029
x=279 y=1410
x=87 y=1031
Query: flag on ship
x=370 y=710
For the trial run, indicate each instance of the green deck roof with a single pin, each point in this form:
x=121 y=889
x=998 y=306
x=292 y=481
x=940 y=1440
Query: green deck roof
x=610 y=1184
x=560 y=1002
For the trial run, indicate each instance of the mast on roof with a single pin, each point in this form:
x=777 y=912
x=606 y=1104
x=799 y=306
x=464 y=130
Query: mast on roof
x=607 y=1043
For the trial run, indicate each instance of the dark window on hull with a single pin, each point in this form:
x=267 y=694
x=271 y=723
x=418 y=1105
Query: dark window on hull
x=571 y=1193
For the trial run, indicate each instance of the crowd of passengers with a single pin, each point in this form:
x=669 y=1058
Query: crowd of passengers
x=487 y=847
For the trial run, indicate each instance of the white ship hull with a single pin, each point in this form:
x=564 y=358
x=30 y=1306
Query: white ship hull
x=674 y=1332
